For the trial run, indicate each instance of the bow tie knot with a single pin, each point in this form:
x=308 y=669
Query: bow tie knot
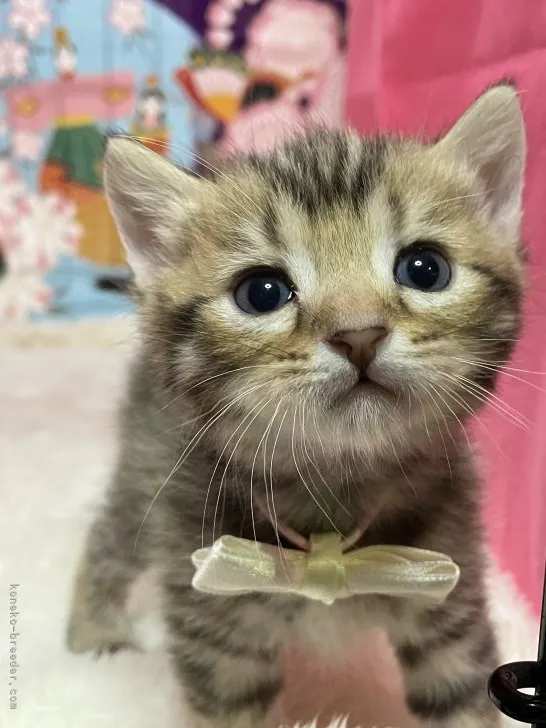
x=233 y=566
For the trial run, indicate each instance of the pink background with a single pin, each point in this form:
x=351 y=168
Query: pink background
x=413 y=67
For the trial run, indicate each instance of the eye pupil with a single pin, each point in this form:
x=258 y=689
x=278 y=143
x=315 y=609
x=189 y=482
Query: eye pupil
x=264 y=295
x=263 y=292
x=424 y=269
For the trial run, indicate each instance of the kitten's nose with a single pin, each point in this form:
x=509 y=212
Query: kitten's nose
x=359 y=346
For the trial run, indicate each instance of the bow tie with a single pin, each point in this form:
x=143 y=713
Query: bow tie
x=233 y=566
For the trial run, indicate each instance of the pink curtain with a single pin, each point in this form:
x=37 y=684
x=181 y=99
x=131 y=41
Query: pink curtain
x=413 y=67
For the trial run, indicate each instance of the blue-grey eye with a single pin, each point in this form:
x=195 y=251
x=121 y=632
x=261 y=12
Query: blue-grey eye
x=422 y=268
x=263 y=292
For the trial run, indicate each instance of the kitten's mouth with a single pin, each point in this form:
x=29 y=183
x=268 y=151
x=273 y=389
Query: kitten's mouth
x=362 y=389
x=365 y=385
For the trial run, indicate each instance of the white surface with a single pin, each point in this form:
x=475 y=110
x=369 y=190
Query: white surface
x=56 y=443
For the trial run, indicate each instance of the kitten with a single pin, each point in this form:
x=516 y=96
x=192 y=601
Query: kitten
x=317 y=325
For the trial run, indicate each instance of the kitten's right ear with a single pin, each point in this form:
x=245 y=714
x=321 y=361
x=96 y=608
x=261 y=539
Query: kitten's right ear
x=149 y=198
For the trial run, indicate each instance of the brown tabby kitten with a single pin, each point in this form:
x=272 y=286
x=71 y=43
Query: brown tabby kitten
x=316 y=325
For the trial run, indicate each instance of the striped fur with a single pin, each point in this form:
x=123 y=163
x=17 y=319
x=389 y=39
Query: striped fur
x=222 y=406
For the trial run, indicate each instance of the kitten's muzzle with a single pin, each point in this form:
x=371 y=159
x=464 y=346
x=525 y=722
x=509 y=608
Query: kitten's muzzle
x=359 y=347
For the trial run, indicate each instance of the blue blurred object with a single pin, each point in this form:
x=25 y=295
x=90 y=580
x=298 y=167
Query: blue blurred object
x=77 y=294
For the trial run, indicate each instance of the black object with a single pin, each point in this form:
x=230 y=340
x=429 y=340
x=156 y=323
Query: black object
x=507 y=680
x=260 y=91
x=116 y=284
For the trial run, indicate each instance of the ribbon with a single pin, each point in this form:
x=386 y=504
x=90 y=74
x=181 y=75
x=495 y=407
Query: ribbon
x=233 y=566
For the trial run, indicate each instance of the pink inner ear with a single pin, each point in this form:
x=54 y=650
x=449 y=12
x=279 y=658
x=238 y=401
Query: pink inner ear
x=366 y=685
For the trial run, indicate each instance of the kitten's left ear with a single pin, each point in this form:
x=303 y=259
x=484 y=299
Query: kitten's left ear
x=491 y=136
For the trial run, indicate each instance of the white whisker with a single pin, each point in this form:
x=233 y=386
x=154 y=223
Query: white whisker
x=483 y=395
x=452 y=411
x=309 y=459
x=303 y=479
x=439 y=429
x=222 y=480
x=402 y=467
x=500 y=368
x=263 y=440
x=188 y=450
x=271 y=506
x=209 y=379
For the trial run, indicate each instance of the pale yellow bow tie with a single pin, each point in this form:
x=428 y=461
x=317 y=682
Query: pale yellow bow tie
x=234 y=566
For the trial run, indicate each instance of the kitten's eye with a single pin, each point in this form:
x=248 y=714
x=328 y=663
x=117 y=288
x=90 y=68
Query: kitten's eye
x=422 y=268
x=263 y=292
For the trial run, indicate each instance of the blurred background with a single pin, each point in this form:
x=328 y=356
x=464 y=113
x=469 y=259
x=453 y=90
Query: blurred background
x=196 y=80
x=193 y=80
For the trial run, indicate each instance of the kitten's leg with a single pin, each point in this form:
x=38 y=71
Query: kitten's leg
x=447 y=655
x=98 y=620
x=226 y=653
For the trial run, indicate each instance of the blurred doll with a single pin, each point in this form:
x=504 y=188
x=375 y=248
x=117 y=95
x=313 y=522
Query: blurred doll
x=149 y=124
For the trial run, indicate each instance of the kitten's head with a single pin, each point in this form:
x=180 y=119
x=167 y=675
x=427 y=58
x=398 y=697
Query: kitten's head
x=364 y=290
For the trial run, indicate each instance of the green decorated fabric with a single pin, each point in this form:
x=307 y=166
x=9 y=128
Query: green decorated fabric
x=80 y=149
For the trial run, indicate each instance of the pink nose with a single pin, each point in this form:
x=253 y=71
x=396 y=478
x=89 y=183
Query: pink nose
x=359 y=346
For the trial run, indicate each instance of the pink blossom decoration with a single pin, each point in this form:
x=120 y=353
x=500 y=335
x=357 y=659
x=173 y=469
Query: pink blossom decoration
x=12 y=191
x=47 y=230
x=21 y=295
x=128 y=16
x=34 y=231
x=29 y=17
x=13 y=58
x=27 y=145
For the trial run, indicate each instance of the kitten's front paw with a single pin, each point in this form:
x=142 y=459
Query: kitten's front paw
x=107 y=634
